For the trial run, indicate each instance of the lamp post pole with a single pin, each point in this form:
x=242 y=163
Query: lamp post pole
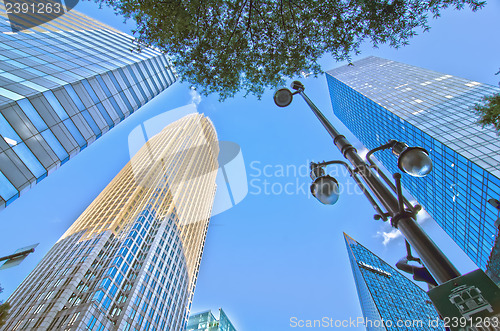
x=432 y=257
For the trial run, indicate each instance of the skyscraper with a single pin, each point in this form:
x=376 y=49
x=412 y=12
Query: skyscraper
x=389 y=300
x=379 y=99
x=131 y=260
x=63 y=84
x=206 y=321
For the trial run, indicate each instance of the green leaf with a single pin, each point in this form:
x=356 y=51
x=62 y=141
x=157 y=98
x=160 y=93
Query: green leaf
x=224 y=47
x=489 y=111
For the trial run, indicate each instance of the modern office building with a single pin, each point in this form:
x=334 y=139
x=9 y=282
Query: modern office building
x=379 y=99
x=206 y=321
x=63 y=84
x=389 y=300
x=131 y=260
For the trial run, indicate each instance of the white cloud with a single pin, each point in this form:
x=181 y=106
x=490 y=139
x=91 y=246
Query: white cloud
x=389 y=234
x=423 y=216
x=305 y=74
x=195 y=96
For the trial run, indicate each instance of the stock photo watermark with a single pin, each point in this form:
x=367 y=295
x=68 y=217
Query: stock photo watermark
x=356 y=322
x=291 y=179
x=234 y=180
x=26 y=14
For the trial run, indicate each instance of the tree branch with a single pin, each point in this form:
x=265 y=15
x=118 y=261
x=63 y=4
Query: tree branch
x=283 y=20
x=237 y=21
x=292 y=13
x=249 y=23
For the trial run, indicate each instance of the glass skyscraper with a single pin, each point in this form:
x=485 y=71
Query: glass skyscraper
x=206 y=321
x=63 y=84
x=389 y=300
x=379 y=99
x=131 y=260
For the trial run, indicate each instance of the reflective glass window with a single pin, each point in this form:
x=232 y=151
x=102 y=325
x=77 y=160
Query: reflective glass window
x=54 y=144
x=124 y=98
x=116 y=107
x=15 y=63
x=134 y=77
x=91 y=122
x=90 y=91
x=7 y=190
x=75 y=133
x=29 y=160
x=55 y=79
x=103 y=86
x=51 y=98
x=32 y=114
x=34 y=86
x=74 y=97
x=36 y=72
x=127 y=82
x=10 y=76
x=9 y=94
x=105 y=114
x=8 y=132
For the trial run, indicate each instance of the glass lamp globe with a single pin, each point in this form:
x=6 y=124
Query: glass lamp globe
x=415 y=161
x=326 y=190
x=283 y=97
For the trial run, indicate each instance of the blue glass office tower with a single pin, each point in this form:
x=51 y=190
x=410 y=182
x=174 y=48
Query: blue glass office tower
x=63 y=84
x=206 y=321
x=379 y=99
x=389 y=300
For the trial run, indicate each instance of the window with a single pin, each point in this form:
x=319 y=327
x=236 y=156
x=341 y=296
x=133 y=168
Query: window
x=91 y=322
x=38 y=309
x=75 y=133
x=56 y=105
x=30 y=160
x=55 y=145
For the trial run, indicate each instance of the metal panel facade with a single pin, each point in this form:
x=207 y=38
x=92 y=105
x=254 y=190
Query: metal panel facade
x=63 y=84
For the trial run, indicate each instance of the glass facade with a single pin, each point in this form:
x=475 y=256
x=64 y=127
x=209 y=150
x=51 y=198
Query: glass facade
x=131 y=260
x=389 y=300
x=63 y=84
x=379 y=99
x=206 y=321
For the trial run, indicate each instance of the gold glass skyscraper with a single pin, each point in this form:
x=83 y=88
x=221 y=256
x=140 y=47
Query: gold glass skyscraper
x=131 y=260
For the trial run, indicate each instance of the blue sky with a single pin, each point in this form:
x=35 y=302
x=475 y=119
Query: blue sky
x=273 y=256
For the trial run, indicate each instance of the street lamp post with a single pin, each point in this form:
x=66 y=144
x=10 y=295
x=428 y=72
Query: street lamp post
x=412 y=160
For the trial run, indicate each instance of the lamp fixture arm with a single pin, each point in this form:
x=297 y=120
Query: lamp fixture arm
x=390 y=144
x=432 y=257
x=380 y=214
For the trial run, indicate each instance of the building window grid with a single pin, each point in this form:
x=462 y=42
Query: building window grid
x=78 y=249
x=382 y=298
x=356 y=126
x=60 y=160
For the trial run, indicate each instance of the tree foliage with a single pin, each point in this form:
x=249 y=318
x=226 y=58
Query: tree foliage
x=4 y=310
x=225 y=46
x=489 y=111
